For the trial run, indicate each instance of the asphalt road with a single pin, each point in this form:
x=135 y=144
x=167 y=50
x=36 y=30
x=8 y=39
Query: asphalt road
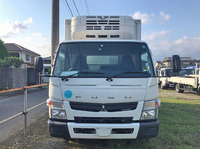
x=12 y=105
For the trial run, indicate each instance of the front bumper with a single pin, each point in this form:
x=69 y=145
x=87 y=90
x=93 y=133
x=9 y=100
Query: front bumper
x=104 y=131
x=148 y=129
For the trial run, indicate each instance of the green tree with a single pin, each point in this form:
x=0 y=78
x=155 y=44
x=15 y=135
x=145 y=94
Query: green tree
x=3 y=50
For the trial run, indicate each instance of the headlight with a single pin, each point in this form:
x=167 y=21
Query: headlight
x=59 y=114
x=56 y=109
x=150 y=114
x=150 y=110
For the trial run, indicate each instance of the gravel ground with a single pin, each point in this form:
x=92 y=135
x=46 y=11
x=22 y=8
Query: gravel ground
x=38 y=136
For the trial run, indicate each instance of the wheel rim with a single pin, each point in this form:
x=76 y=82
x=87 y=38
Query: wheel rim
x=177 y=87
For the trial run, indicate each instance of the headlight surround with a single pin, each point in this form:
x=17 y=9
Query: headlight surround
x=56 y=109
x=55 y=104
x=150 y=110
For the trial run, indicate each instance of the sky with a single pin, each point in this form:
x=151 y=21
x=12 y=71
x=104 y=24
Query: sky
x=168 y=27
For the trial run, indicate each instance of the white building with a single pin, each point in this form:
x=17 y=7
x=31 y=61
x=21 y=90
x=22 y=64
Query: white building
x=27 y=55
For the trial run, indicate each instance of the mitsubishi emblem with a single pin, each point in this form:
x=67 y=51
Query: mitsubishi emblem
x=103 y=108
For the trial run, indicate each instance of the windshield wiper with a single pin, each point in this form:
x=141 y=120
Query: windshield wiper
x=109 y=79
x=54 y=76
x=65 y=78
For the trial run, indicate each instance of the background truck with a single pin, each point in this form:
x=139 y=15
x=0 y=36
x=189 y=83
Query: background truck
x=163 y=76
x=188 y=80
x=166 y=76
x=103 y=84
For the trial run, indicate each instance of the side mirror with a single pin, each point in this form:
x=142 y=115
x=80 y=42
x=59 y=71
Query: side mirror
x=38 y=64
x=176 y=63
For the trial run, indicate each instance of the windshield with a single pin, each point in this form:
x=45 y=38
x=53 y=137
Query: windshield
x=103 y=59
x=168 y=72
x=187 y=72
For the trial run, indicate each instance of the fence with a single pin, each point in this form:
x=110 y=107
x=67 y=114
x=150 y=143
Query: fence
x=13 y=77
x=25 y=104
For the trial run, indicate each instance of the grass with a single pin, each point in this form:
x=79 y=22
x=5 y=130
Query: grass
x=179 y=129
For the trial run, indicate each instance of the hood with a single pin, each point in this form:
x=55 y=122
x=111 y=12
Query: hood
x=98 y=90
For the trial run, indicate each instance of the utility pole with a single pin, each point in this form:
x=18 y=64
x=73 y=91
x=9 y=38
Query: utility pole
x=54 y=28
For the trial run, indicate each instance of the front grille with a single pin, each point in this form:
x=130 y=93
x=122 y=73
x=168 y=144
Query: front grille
x=113 y=131
x=85 y=130
x=110 y=107
x=103 y=119
x=122 y=131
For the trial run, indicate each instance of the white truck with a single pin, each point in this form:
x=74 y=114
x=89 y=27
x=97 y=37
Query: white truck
x=163 y=76
x=188 y=80
x=166 y=77
x=103 y=83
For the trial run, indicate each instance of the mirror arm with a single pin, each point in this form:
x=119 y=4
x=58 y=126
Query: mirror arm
x=45 y=75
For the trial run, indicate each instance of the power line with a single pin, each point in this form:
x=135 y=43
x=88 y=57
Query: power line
x=76 y=8
x=69 y=8
x=86 y=5
x=95 y=8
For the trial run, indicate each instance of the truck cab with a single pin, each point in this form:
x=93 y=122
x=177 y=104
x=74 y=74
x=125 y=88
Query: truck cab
x=163 y=75
x=103 y=84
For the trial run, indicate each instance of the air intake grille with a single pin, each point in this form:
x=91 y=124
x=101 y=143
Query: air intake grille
x=96 y=107
x=103 y=119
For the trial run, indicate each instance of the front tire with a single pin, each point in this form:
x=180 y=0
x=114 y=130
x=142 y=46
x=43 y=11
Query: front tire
x=163 y=86
x=198 y=90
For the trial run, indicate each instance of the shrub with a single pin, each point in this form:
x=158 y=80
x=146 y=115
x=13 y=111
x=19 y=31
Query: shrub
x=49 y=71
x=1 y=88
x=11 y=61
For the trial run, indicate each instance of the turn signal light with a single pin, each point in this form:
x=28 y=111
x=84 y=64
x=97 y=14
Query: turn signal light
x=157 y=103
x=50 y=103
